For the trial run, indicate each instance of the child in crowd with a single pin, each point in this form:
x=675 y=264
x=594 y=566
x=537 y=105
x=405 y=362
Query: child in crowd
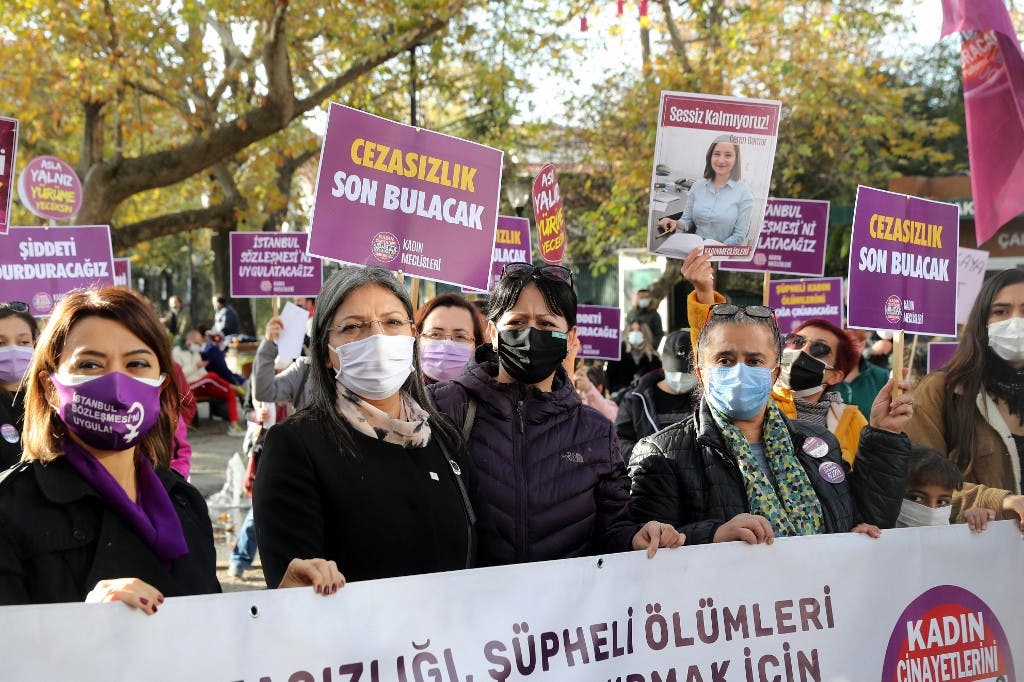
x=931 y=481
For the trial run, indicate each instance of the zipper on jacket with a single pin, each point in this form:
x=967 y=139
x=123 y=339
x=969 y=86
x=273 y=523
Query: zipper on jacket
x=519 y=466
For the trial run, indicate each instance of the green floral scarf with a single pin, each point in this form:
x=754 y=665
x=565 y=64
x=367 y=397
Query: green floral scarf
x=792 y=507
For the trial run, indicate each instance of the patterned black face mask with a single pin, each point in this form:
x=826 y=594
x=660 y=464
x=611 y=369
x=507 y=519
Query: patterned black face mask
x=530 y=355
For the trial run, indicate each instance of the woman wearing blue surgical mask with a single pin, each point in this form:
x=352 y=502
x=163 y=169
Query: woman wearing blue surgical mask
x=93 y=512
x=18 y=332
x=450 y=330
x=368 y=476
x=972 y=410
x=739 y=469
x=551 y=476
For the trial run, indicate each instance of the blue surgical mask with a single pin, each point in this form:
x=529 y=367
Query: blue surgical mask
x=739 y=391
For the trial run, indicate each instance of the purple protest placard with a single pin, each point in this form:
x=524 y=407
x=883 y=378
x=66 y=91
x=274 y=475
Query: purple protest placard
x=268 y=264
x=511 y=245
x=598 y=329
x=123 y=273
x=903 y=263
x=797 y=300
x=8 y=154
x=792 y=241
x=405 y=198
x=49 y=187
x=39 y=265
x=939 y=353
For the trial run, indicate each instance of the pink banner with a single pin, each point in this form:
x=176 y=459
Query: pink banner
x=993 y=73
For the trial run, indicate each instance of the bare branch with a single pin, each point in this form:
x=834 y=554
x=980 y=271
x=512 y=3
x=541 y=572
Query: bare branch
x=678 y=44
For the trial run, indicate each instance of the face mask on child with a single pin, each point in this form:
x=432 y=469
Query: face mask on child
x=915 y=515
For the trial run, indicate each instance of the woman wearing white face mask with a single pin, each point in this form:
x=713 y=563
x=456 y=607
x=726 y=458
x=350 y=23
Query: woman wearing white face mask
x=973 y=410
x=639 y=358
x=18 y=332
x=368 y=476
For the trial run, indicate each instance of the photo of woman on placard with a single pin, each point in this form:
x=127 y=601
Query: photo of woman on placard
x=718 y=205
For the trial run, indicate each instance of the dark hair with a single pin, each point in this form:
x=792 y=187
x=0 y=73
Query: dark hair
x=221 y=299
x=742 y=319
x=559 y=296
x=348 y=280
x=452 y=300
x=596 y=376
x=44 y=430
x=962 y=371
x=25 y=317
x=847 y=356
x=709 y=172
x=927 y=466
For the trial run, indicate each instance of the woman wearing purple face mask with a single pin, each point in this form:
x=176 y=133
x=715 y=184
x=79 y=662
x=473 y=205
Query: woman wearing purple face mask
x=450 y=330
x=18 y=332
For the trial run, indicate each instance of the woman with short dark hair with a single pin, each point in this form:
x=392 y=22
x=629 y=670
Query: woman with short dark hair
x=18 y=332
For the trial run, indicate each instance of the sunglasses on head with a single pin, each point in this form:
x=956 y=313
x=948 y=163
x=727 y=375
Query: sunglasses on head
x=816 y=349
x=760 y=312
x=16 y=306
x=557 y=273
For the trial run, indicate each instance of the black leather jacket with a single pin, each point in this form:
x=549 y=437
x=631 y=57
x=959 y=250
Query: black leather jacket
x=684 y=475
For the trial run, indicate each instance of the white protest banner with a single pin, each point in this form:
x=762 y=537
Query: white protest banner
x=938 y=603
x=970 y=275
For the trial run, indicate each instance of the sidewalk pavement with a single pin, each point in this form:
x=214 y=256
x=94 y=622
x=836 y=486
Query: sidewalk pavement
x=211 y=452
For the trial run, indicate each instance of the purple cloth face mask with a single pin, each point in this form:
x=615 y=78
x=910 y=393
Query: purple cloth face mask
x=443 y=360
x=110 y=412
x=14 y=361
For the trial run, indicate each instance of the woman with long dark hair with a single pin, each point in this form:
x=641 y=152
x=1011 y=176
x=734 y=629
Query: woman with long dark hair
x=368 y=477
x=972 y=410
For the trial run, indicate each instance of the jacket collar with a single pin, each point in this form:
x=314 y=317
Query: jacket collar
x=62 y=485
x=480 y=379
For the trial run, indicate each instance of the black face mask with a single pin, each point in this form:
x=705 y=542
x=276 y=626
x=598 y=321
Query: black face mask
x=530 y=355
x=803 y=372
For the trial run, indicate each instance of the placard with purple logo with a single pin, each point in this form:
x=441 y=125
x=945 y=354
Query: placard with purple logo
x=40 y=265
x=268 y=264
x=903 y=263
x=792 y=241
x=798 y=300
x=405 y=198
x=939 y=353
x=8 y=155
x=511 y=245
x=49 y=187
x=598 y=328
x=123 y=273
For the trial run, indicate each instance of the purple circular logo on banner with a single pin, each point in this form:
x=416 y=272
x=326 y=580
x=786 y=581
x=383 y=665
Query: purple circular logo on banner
x=50 y=188
x=760 y=259
x=42 y=302
x=832 y=472
x=894 y=309
x=266 y=286
x=948 y=633
x=384 y=247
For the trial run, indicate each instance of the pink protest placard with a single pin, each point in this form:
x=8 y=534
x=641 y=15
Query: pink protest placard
x=798 y=300
x=547 y=210
x=123 y=273
x=792 y=241
x=50 y=188
x=405 y=198
x=8 y=154
x=268 y=264
x=40 y=265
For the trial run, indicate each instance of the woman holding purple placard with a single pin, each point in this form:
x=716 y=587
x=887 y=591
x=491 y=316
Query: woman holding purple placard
x=972 y=411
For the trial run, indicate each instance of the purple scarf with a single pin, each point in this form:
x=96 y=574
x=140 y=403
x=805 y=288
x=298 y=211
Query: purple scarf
x=152 y=518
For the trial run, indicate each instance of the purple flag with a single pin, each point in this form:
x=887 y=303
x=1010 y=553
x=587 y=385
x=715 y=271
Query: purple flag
x=993 y=73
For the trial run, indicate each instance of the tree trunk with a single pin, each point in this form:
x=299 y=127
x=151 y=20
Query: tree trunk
x=222 y=279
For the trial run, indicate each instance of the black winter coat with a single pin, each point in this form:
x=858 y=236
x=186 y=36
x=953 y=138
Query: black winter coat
x=637 y=416
x=12 y=414
x=552 y=482
x=685 y=476
x=58 y=538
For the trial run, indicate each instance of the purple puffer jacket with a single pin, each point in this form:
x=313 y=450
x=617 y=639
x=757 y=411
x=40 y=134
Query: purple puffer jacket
x=552 y=481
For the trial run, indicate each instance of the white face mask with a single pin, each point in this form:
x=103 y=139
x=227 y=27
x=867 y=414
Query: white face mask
x=643 y=302
x=635 y=338
x=680 y=382
x=1006 y=339
x=377 y=366
x=914 y=515
x=195 y=347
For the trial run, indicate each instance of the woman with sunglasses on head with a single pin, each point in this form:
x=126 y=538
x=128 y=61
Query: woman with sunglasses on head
x=972 y=410
x=739 y=469
x=368 y=478
x=450 y=330
x=18 y=332
x=93 y=511
x=551 y=476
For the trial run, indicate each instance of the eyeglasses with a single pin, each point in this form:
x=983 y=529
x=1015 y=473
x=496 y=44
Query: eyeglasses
x=15 y=306
x=457 y=337
x=557 y=273
x=816 y=349
x=354 y=331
